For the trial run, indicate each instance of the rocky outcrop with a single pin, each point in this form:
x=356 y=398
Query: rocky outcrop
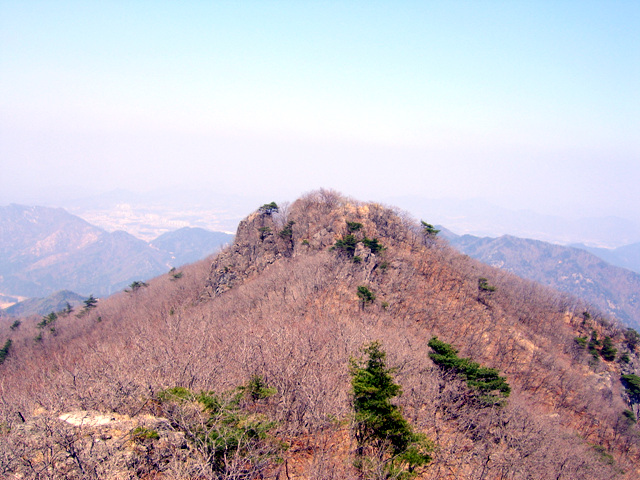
x=88 y=444
x=257 y=245
x=313 y=223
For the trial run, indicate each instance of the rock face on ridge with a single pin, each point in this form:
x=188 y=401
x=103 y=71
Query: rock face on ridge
x=256 y=247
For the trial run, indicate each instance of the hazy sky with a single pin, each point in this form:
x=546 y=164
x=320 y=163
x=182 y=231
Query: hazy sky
x=530 y=104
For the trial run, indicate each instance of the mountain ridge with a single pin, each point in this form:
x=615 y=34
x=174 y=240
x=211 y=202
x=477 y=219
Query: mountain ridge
x=614 y=290
x=189 y=244
x=284 y=309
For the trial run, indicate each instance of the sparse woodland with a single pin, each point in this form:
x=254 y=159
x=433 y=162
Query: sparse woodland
x=238 y=366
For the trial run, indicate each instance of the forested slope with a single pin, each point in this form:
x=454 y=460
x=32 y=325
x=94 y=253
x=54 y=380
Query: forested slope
x=136 y=386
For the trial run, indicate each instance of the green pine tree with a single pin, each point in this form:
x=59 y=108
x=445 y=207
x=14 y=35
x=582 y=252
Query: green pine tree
x=380 y=430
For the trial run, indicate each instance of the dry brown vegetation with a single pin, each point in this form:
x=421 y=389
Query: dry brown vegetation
x=282 y=305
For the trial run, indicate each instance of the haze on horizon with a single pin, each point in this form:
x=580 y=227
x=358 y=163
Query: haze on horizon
x=527 y=105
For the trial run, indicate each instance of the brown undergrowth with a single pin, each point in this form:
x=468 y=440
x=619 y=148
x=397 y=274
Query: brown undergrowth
x=281 y=304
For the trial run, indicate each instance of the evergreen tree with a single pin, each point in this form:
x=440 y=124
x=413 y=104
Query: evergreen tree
x=632 y=383
x=47 y=320
x=346 y=244
x=90 y=302
x=68 y=309
x=608 y=351
x=4 y=351
x=365 y=295
x=269 y=208
x=428 y=229
x=486 y=380
x=135 y=286
x=379 y=426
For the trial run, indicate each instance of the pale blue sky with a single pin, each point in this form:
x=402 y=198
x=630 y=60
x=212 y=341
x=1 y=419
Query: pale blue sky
x=527 y=104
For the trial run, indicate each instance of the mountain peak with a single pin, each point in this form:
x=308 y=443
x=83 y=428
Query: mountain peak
x=312 y=223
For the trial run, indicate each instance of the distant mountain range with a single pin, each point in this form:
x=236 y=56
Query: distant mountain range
x=614 y=290
x=482 y=218
x=627 y=256
x=55 y=302
x=44 y=250
x=190 y=244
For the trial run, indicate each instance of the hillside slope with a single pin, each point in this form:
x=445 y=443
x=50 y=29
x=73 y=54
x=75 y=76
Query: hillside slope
x=614 y=290
x=135 y=386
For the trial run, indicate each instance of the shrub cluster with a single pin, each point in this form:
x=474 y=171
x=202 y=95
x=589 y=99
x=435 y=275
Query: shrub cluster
x=347 y=244
x=235 y=443
x=597 y=348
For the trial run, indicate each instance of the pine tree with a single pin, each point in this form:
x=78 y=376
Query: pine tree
x=4 y=351
x=379 y=426
x=608 y=351
x=90 y=302
x=428 y=229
